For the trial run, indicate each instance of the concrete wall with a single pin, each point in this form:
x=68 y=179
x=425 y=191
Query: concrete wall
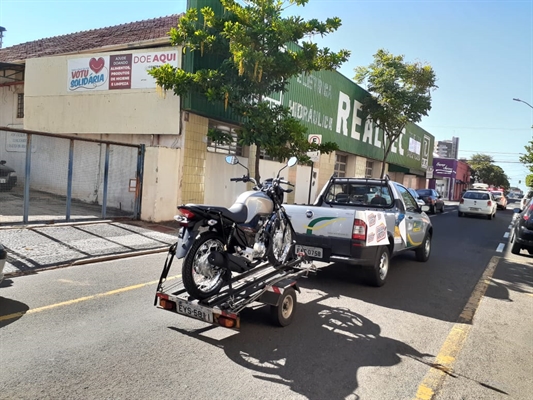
x=162 y=169
x=51 y=107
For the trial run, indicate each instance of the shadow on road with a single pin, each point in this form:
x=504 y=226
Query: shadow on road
x=512 y=276
x=11 y=310
x=321 y=343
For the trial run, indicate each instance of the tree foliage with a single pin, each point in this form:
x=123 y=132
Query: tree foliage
x=251 y=42
x=400 y=92
x=484 y=170
x=529 y=180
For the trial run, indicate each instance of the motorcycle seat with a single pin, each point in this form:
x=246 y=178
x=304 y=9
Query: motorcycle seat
x=237 y=212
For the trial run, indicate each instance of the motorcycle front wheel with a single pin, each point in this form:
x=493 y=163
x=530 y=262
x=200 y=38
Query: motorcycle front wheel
x=280 y=250
x=200 y=278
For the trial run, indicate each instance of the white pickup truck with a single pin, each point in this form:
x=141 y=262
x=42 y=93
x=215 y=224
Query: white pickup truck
x=362 y=222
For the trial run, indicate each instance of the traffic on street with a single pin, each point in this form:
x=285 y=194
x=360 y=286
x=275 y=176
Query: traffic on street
x=455 y=327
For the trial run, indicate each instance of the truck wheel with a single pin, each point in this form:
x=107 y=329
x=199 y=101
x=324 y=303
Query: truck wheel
x=422 y=253
x=377 y=273
x=283 y=313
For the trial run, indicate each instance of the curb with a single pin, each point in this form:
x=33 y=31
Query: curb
x=91 y=260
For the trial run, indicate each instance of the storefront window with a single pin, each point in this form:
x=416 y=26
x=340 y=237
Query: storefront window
x=224 y=148
x=340 y=165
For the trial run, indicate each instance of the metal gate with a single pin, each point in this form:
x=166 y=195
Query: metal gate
x=51 y=178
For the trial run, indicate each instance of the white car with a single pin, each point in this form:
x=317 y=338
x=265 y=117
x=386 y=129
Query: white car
x=3 y=256
x=526 y=199
x=478 y=202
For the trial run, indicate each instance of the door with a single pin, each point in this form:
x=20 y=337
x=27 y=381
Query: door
x=415 y=220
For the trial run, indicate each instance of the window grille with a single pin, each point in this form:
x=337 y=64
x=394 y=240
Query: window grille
x=224 y=148
x=340 y=165
x=368 y=169
x=20 y=105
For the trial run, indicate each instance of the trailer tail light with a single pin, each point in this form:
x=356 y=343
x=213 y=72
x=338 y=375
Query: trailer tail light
x=165 y=303
x=359 y=230
x=228 y=320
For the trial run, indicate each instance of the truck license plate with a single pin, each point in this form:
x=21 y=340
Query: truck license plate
x=194 y=311
x=310 y=251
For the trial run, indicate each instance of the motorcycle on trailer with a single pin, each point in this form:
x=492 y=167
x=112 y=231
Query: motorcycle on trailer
x=217 y=241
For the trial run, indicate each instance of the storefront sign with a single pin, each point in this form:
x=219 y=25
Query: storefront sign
x=444 y=167
x=117 y=71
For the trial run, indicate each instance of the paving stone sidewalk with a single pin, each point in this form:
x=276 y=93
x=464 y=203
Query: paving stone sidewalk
x=39 y=247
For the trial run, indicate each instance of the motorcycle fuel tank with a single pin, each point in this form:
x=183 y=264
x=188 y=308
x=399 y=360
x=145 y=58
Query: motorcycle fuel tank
x=257 y=203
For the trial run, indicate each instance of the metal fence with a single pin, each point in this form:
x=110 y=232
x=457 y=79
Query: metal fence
x=62 y=178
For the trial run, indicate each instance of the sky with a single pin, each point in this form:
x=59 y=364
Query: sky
x=481 y=52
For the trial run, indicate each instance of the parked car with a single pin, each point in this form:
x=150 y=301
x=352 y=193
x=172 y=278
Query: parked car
x=525 y=199
x=478 y=202
x=3 y=256
x=522 y=229
x=8 y=177
x=417 y=197
x=432 y=199
x=500 y=199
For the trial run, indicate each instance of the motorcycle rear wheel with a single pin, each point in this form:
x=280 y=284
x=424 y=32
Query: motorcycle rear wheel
x=280 y=250
x=200 y=278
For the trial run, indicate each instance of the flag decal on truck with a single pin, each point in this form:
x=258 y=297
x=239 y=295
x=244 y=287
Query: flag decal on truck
x=312 y=225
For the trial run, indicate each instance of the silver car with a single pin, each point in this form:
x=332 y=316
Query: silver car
x=526 y=199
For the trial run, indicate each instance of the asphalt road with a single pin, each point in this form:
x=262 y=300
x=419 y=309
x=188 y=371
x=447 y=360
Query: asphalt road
x=92 y=332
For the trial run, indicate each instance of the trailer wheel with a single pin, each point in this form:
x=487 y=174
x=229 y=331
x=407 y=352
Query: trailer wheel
x=283 y=313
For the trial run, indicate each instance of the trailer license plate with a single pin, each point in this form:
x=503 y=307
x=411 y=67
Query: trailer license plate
x=310 y=251
x=195 y=311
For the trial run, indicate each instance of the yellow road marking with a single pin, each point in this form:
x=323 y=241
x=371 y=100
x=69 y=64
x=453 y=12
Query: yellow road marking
x=81 y=299
x=445 y=360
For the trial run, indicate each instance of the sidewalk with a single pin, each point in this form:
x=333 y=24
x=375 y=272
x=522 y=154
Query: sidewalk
x=38 y=247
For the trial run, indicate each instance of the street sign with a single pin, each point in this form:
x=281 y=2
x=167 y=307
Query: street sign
x=314 y=155
x=429 y=173
x=314 y=139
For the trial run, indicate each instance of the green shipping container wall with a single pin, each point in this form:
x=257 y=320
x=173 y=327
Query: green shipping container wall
x=329 y=104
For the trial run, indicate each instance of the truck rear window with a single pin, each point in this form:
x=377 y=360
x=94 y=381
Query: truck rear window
x=363 y=193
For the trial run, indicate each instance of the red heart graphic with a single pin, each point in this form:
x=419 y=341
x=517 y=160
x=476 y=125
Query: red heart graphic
x=96 y=65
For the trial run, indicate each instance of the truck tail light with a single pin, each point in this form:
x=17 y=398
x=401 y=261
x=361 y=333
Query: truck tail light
x=359 y=230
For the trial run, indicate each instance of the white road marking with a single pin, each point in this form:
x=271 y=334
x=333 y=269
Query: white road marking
x=506 y=235
x=500 y=248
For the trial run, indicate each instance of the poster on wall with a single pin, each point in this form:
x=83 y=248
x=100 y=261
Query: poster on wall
x=117 y=71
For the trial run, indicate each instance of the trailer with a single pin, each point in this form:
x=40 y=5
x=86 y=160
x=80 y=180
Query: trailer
x=274 y=286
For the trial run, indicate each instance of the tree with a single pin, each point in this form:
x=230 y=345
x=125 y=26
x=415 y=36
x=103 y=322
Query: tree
x=400 y=93
x=529 y=180
x=484 y=170
x=253 y=43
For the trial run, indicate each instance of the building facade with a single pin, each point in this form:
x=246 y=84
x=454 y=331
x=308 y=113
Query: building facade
x=95 y=85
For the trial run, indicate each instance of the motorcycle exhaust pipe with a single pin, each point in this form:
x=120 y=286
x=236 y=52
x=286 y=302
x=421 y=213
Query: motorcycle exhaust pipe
x=227 y=261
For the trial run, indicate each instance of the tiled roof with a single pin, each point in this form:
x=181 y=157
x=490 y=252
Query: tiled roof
x=132 y=32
